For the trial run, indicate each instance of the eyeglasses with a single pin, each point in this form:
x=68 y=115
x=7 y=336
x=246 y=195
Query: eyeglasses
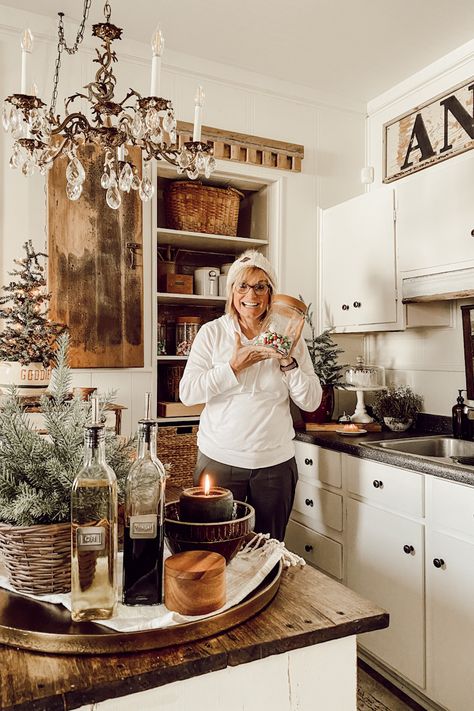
x=260 y=288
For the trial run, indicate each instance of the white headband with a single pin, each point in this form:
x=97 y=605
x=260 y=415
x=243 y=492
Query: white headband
x=250 y=258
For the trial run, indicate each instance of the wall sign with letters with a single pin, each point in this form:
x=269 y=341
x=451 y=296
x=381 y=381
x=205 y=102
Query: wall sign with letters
x=439 y=129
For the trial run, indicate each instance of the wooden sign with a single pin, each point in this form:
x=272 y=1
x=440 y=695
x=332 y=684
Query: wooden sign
x=95 y=280
x=437 y=130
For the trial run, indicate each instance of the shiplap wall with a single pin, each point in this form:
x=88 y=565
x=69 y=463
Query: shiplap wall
x=430 y=359
x=331 y=130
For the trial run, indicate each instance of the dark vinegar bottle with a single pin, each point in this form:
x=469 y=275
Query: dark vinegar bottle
x=144 y=520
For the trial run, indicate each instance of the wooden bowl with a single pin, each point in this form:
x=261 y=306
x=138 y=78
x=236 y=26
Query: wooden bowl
x=224 y=537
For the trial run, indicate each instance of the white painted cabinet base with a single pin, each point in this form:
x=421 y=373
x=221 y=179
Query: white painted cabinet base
x=323 y=676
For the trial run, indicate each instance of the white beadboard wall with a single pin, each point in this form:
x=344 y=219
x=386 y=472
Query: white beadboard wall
x=331 y=130
x=431 y=360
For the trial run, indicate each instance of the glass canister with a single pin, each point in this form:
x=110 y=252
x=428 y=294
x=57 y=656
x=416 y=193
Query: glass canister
x=362 y=375
x=161 y=339
x=186 y=330
x=283 y=325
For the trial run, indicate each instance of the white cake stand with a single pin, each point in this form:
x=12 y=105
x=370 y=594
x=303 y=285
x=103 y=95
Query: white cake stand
x=360 y=414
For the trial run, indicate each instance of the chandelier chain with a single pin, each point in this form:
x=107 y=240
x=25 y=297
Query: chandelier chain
x=70 y=50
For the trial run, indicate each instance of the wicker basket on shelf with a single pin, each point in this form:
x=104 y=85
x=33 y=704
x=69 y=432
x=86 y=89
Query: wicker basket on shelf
x=177 y=446
x=37 y=558
x=195 y=207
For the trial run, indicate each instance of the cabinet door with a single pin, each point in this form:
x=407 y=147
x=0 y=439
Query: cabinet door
x=359 y=263
x=435 y=216
x=379 y=569
x=450 y=621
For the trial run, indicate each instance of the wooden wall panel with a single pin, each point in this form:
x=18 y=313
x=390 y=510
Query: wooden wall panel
x=94 y=289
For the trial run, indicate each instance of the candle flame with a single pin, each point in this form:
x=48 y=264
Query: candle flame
x=207 y=485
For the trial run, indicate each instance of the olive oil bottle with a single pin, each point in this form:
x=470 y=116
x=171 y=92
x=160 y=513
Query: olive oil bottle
x=94 y=530
x=144 y=520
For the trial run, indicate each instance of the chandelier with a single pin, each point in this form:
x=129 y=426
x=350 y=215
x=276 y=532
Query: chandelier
x=147 y=122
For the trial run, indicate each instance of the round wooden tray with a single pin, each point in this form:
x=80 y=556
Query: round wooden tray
x=44 y=627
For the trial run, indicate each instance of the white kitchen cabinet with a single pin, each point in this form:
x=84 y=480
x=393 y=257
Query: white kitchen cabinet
x=385 y=562
x=360 y=290
x=435 y=217
x=450 y=594
x=316 y=526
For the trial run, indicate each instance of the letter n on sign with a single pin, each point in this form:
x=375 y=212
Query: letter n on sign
x=439 y=129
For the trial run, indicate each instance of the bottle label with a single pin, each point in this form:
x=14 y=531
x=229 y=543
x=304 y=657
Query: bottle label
x=144 y=526
x=91 y=538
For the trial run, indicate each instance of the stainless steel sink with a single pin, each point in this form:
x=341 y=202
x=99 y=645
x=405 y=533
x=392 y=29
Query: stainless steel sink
x=434 y=447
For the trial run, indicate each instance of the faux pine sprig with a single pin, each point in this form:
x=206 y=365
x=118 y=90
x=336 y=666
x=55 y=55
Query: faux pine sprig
x=37 y=471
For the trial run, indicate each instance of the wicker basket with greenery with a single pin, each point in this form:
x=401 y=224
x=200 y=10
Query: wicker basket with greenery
x=36 y=475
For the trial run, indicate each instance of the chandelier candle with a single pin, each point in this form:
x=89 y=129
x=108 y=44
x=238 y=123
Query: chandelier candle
x=26 y=49
x=94 y=530
x=144 y=520
x=157 y=46
x=198 y=102
x=207 y=504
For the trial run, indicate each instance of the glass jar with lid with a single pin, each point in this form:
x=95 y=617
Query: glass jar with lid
x=283 y=325
x=362 y=375
x=186 y=330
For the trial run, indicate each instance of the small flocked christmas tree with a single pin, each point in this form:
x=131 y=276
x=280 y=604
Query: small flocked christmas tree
x=28 y=336
x=324 y=354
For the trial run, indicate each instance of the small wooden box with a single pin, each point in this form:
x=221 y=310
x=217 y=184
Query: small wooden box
x=177 y=409
x=195 y=582
x=176 y=283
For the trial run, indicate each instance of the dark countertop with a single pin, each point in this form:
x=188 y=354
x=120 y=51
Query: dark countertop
x=327 y=610
x=355 y=446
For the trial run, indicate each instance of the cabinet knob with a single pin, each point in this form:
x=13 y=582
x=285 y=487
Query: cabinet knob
x=377 y=483
x=309 y=462
x=309 y=502
x=408 y=549
x=438 y=562
x=308 y=548
x=472 y=233
x=345 y=307
x=357 y=304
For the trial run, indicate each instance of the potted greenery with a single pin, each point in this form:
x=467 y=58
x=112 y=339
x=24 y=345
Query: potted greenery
x=397 y=407
x=28 y=339
x=36 y=474
x=324 y=356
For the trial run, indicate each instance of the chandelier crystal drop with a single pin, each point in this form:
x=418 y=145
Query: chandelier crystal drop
x=148 y=123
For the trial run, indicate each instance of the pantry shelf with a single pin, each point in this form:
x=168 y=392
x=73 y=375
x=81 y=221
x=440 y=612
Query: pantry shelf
x=201 y=241
x=195 y=299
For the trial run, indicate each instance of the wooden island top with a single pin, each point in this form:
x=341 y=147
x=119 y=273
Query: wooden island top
x=310 y=608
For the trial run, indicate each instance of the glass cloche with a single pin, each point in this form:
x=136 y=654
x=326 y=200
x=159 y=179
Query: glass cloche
x=362 y=375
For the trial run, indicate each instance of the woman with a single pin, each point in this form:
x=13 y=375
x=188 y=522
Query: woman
x=246 y=433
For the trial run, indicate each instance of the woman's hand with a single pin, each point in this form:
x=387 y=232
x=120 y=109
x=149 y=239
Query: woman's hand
x=245 y=356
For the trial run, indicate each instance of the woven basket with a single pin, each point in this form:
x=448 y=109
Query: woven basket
x=178 y=446
x=37 y=558
x=195 y=207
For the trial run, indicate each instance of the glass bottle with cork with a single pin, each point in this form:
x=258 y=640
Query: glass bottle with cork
x=144 y=520
x=94 y=529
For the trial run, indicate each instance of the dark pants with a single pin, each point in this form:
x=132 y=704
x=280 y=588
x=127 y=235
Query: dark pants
x=270 y=490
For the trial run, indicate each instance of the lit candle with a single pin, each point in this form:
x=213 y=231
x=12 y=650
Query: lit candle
x=206 y=504
x=198 y=102
x=157 y=46
x=26 y=48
